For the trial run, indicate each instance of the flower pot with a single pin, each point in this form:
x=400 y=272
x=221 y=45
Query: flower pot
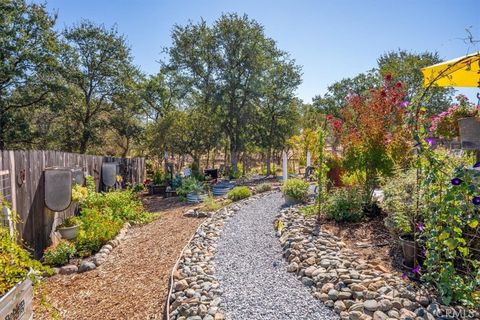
x=470 y=132
x=290 y=201
x=69 y=233
x=409 y=250
x=195 y=198
x=17 y=302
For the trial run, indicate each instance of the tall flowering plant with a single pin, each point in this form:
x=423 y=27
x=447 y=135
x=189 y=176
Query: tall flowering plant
x=373 y=126
x=445 y=124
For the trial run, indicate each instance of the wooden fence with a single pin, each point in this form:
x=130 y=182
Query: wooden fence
x=22 y=184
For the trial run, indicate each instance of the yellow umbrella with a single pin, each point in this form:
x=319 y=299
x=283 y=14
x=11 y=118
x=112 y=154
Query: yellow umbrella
x=460 y=72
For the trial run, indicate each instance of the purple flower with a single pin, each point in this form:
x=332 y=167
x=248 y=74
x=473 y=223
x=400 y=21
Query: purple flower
x=456 y=181
x=405 y=276
x=423 y=252
x=416 y=269
x=430 y=141
x=420 y=227
x=476 y=200
x=477 y=165
x=404 y=104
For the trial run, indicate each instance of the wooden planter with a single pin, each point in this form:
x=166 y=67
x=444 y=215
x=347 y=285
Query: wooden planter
x=469 y=133
x=157 y=189
x=409 y=250
x=17 y=304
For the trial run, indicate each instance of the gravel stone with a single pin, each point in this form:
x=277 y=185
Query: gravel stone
x=252 y=287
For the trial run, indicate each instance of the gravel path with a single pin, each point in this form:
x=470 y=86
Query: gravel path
x=252 y=272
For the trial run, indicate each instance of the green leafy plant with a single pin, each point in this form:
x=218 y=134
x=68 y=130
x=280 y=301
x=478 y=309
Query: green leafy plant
x=15 y=262
x=158 y=177
x=138 y=187
x=296 y=188
x=59 y=254
x=309 y=210
x=210 y=205
x=189 y=185
x=401 y=194
x=344 y=204
x=239 y=193
x=98 y=227
x=70 y=222
x=263 y=187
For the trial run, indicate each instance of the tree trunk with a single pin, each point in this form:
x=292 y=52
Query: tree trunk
x=234 y=160
x=208 y=159
x=269 y=161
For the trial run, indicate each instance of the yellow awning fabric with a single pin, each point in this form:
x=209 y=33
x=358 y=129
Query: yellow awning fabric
x=460 y=72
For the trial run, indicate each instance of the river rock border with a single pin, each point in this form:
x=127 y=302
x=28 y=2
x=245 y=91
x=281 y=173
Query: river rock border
x=99 y=258
x=195 y=292
x=354 y=288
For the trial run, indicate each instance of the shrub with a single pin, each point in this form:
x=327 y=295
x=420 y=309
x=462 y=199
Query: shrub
x=239 y=193
x=296 y=188
x=139 y=187
x=344 y=204
x=60 y=254
x=15 y=262
x=400 y=202
x=210 y=205
x=158 y=177
x=98 y=227
x=263 y=187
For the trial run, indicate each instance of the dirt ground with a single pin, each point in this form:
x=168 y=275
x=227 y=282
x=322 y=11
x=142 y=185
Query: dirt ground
x=370 y=239
x=133 y=282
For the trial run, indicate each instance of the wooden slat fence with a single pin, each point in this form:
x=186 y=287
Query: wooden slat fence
x=22 y=184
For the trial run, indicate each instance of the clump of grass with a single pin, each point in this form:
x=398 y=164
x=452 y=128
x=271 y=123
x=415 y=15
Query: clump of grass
x=210 y=205
x=263 y=187
x=310 y=210
x=239 y=193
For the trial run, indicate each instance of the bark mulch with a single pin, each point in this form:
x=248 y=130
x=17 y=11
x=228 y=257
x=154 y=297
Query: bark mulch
x=133 y=282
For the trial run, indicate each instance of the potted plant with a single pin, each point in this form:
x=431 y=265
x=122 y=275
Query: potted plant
x=405 y=219
x=192 y=190
x=295 y=191
x=69 y=228
x=158 y=185
x=460 y=121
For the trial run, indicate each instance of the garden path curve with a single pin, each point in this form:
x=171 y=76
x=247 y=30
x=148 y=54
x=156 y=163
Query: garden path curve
x=252 y=272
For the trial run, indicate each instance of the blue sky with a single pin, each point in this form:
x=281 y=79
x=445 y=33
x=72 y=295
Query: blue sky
x=330 y=39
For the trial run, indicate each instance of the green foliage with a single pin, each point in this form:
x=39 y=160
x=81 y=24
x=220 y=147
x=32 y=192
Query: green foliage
x=296 y=188
x=210 y=205
x=70 y=222
x=15 y=262
x=138 y=187
x=98 y=227
x=401 y=193
x=263 y=187
x=158 y=177
x=28 y=56
x=451 y=263
x=189 y=185
x=103 y=214
x=239 y=193
x=59 y=254
x=309 y=210
x=344 y=204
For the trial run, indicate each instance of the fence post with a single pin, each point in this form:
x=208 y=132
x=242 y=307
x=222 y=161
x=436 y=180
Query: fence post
x=13 y=182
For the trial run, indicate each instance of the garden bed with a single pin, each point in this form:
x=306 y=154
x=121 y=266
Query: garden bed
x=132 y=283
x=354 y=285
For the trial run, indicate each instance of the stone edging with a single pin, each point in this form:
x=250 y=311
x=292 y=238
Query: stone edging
x=194 y=290
x=99 y=258
x=354 y=288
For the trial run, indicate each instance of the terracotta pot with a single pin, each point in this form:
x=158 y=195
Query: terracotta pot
x=470 y=133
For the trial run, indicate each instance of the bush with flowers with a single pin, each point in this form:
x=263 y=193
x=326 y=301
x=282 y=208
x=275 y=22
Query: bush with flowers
x=373 y=131
x=445 y=124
